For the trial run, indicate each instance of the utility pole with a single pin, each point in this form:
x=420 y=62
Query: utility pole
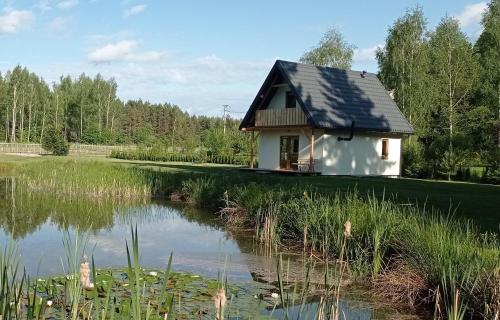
x=226 y=109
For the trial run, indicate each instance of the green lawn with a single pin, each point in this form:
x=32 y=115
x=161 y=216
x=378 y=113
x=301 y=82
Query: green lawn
x=480 y=203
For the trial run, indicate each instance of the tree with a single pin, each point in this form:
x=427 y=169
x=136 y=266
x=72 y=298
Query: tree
x=331 y=51
x=403 y=64
x=404 y=67
x=53 y=141
x=486 y=96
x=452 y=72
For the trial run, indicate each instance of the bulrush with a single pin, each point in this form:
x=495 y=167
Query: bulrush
x=347 y=229
x=85 y=274
x=220 y=301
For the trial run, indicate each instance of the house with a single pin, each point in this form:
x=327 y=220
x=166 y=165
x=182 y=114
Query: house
x=327 y=121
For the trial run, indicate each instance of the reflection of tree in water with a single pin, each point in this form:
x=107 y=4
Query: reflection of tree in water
x=18 y=217
x=22 y=213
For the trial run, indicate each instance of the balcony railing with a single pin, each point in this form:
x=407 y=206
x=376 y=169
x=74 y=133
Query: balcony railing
x=280 y=117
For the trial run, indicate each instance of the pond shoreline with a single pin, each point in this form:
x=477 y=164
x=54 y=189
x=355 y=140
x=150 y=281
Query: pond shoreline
x=408 y=254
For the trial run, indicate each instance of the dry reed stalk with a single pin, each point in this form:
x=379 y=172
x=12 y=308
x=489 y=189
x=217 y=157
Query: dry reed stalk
x=232 y=213
x=400 y=283
x=268 y=235
x=437 y=304
x=335 y=312
x=305 y=239
x=220 y=302
x=495 y=299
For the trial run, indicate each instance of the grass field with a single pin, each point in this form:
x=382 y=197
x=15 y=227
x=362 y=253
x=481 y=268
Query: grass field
x=478 y=202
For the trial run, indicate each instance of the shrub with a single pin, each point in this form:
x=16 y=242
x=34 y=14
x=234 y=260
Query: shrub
x=53 y=141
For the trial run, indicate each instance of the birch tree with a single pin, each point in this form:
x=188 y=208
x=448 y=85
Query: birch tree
x=403 y=64
x=453 y=75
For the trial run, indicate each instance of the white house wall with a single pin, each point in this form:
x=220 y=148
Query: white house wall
x=360 y=156
x=269 y=147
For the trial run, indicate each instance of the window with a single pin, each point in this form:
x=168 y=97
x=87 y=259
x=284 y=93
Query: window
x=291 y=102
x=385 y=149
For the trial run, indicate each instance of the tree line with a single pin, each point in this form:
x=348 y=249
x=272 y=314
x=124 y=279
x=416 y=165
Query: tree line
x=447 y=86
x=87 y=110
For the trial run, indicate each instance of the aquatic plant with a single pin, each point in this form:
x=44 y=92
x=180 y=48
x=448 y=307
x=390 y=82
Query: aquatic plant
x=202 y=192
x=11 y=287
x=428 y=244
x=90 y=179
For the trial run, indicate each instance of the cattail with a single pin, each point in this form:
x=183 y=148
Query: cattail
x=347 y=229
x=220 y=301
x=85 y=274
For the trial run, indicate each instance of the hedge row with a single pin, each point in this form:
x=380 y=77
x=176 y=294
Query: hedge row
x=154 y=155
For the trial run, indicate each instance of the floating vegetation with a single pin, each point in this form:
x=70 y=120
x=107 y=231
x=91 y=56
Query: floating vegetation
x=86 y=292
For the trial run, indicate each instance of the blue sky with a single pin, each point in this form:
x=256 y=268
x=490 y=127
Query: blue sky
x=197 y=54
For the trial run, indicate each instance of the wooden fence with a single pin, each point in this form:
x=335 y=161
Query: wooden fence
x=74 y=149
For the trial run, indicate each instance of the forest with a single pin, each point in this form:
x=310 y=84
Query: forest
x=87 y=110
x=447 y=85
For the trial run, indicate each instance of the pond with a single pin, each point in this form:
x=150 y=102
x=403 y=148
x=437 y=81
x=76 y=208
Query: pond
x=199 y=242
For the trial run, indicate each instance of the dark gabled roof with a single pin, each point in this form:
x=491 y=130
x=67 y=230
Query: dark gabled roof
x=333 y=98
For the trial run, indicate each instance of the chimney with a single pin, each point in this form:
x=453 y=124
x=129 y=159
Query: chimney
x=391 y=93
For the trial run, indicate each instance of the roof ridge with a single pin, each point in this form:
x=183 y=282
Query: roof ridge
x=308 y=65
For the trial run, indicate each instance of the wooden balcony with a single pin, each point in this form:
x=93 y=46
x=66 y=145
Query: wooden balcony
x=280 y=117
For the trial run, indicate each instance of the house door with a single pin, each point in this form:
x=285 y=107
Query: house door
x=289 y=152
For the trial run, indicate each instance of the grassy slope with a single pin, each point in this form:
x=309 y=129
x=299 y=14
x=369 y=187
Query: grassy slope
x=480 y=203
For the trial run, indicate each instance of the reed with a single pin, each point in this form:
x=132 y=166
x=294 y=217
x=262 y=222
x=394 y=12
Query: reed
x=89 y=179
x=386 y=232
x=11 y=288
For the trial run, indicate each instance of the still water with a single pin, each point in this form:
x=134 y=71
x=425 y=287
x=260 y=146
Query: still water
x=200 y=244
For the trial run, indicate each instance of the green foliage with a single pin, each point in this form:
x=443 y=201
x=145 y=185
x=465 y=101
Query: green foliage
x=90 y=179
x=202 y=192
x=487 y=48
x=404 y=64
x=430 y=243
x=331 y=51
x=414 y=163
x=53 y=141
x=446 y=88
x=167 y=156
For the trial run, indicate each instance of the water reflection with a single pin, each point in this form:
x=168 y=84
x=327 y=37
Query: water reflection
x=198 y=241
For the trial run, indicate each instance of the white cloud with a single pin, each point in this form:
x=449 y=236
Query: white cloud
x=215 y=80
x=44 y=5
x=471 y=14
x=148 y=56
x=60 y=25
x=66 y=4
x=366 y=54
x=135 y=10
x=125 y=50
x=113 y=51
x=15 y=20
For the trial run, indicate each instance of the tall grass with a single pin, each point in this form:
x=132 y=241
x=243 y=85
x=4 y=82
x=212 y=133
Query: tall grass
x=74 y=247
x=90 y=179
x=383 y=233
x=11 y=288
x=385 y=237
